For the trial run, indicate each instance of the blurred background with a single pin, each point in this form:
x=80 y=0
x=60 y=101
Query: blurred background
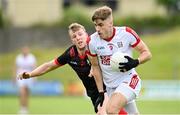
x=43 y=25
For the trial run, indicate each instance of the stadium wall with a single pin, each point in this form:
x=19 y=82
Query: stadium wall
x=13 y=38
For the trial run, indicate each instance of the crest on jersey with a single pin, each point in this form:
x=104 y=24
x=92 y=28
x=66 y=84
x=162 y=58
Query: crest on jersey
x=119 y=44
x=110 y=46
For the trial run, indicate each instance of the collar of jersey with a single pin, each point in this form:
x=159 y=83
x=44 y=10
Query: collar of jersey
x=110 y=38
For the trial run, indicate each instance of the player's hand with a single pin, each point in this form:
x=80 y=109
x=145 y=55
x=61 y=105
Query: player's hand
x=99 y=100
x=24 y=75
x=132 y=63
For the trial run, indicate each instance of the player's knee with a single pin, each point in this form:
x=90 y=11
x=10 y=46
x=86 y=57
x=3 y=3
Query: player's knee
x=112 y=109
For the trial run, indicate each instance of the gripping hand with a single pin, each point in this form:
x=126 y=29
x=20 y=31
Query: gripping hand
x=132 y=63
x=24 y=75
x=99 y=100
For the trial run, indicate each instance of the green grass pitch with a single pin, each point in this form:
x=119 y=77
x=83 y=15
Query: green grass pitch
x=79 y=105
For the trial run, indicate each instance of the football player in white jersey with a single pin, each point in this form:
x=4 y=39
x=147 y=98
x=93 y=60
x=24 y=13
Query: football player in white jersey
x=24 y=62
x=123 y=86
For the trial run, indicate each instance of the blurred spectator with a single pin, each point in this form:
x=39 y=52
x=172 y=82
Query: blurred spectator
x=113 y=4
x=66 y=3
x=75 y=88
x=25 y=61
x=90 y=2
x=172 y=6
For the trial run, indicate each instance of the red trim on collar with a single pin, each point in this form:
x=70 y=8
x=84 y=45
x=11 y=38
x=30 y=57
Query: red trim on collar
x=82 y=57
x=89 y=53
x=88 y=40
x=110 y=38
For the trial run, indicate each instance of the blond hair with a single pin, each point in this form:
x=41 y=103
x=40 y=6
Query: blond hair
x=102 y=13
x=75 y=27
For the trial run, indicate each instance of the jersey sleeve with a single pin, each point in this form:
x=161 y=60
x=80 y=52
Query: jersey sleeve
x=62 y=59
x=133 y=37
x=91 y=48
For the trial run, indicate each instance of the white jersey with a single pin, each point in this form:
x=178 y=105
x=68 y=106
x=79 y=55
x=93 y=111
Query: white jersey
x=25 y=63
x=123 y=40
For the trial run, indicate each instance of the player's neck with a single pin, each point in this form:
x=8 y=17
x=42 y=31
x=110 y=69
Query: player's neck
x=81 y=51
x=111 y=34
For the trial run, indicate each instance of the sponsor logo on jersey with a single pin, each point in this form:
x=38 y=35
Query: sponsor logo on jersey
x=100 y=47
x=73 y=62
x=105 y=59
x=134 y=82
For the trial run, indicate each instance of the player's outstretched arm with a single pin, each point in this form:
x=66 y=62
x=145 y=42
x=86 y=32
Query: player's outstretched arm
x=42 y=69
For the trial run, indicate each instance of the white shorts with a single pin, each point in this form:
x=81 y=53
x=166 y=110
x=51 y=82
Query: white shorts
x=130 y=88
x=25 y=82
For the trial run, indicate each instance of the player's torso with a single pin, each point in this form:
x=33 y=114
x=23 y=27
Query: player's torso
x=105 y=49
x=81 y=65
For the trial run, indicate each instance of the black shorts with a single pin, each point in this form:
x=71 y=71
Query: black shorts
x=94 y=98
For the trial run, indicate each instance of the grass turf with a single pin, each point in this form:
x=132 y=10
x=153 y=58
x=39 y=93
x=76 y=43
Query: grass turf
x=79 y=105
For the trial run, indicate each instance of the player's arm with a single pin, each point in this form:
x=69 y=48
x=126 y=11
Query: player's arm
x=144 y=52
x=140 y=46
x=144 y=55
x=96 y=72
x=98 y=79
x=42 y=69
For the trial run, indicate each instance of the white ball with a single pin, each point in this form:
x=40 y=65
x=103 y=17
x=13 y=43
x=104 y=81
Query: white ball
x=116 y=58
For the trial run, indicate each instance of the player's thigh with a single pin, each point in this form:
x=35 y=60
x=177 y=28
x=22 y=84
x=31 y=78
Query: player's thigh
x=116 y=101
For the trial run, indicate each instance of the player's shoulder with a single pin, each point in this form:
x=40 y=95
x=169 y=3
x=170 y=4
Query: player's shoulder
x=71 y=51
x=126 y=30
x=31 y=55
x=123 y=29
x=94 y=36
x=19 y=57
x=71 y=47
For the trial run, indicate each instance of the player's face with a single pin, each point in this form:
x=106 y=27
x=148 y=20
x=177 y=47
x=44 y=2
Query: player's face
x=79 y=38
x=103 y=28
x=25 y=50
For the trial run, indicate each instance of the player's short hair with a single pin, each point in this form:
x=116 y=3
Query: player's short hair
x=102 y=13
x=75 y=27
